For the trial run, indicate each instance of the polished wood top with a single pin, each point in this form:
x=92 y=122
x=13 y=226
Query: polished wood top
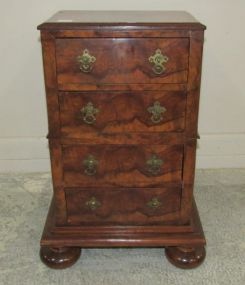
x=76 y=19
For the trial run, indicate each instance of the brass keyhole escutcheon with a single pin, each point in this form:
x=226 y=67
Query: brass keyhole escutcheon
x=89 y=112
x=154 y=203
x=90 y=164
x=156 y=110
x=154 y=165
x=158 y=60
x=86 y=61
x=93 y=203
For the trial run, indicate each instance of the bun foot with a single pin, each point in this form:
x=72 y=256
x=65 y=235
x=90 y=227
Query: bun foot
x=59 y=258
x=185 y=257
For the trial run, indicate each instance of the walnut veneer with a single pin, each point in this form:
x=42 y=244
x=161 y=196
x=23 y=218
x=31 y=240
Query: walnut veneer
x=122 y=97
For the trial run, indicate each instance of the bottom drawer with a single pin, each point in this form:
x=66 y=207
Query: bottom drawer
x=122 y=206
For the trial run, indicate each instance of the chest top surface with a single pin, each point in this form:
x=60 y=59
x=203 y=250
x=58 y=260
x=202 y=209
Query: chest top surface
x=165 y=19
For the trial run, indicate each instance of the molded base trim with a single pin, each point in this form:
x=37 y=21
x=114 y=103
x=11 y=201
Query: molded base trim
x=71 y=238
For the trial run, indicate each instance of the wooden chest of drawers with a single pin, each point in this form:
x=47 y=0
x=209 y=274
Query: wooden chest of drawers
x=122 y=96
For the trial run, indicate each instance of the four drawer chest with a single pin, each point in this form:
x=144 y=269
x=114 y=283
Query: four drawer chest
x=122 y=94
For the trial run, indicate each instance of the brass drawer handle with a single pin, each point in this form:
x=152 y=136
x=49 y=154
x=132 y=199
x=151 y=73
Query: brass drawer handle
x=156 y=110
x=154 y=165
x=89 y=112
x=90 y=164
x=93 y=203
x=158 y=59
x=154 y=203
x=86 y=61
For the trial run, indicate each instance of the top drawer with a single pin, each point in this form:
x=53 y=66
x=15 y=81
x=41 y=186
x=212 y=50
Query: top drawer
x=121 y=61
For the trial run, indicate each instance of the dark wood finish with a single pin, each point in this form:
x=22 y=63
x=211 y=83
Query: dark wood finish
x=112 y=229
x=121 y=112
x=188 y=179
x=59 y=258
x=49 y=66
x=172 y=20
x=127 y=138
x=122 y=165
x=186 y=257
x=194 y=81
x=110 y=208
x=127 y=236
x=120 y=32
x=127 y=62
x=131 y=87
x=57 y=179
x=123 y=206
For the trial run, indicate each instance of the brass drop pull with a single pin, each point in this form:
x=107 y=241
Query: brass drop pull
x=156 y=110
x=158 y=59
x=154 y=203
x=93 y=203
x=89 y=112
x=154 y=165
x=86 y=61
x=90 y=164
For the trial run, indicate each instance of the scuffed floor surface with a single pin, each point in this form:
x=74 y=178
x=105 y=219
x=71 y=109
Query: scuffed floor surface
x=24 y=201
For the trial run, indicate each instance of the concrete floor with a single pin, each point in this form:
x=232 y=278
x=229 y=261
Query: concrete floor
x=220 y=196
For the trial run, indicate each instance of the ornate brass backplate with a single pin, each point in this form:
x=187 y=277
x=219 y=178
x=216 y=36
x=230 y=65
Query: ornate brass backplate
x=154 y=165
x=86 y=61
x=90 y=164
x=154 y=203
x=93 y=203
x=158 y=59
x=156 y=110
x=89 y=112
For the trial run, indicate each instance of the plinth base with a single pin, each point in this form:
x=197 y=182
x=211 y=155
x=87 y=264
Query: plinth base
x=60 y=245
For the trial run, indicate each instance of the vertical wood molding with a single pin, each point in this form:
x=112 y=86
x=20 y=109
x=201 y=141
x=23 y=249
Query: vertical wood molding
x=49 y=65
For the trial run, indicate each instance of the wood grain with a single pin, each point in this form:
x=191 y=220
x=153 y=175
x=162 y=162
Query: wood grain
x=49 y=66
x=188 y=179
x=128 y=238
x=122 y=206
x=121 y=165
x=127 y=138
x=121 y=112
x=194 y=82
x=57 y=179
x=95 y=31
x=126 y=62
x=122 y=85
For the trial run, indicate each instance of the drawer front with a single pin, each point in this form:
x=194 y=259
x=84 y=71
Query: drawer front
x=114 y=112
x=122 y=166
x=121 y=61
x=122 y=206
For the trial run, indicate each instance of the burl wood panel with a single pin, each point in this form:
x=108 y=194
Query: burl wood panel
x=121 y=112
x=122 y=165
x=122 y=206
x=120 y=61
x=128 y=138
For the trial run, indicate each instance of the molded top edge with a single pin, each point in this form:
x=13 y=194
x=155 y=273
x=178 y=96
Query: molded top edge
x=75 y=19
